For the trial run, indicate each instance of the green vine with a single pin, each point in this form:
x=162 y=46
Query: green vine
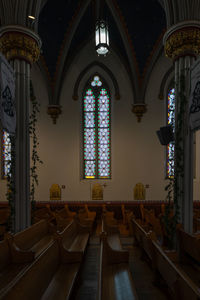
x=34 y=156
x=175 y=186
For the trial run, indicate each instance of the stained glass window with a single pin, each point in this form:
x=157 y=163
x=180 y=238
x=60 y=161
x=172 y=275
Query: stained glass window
x=171 y=121
x=96 y=122
x=6 y=154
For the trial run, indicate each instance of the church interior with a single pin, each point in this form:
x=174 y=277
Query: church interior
x=100 y=149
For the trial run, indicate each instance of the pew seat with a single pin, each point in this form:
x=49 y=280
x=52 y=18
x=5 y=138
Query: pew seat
x=73 y=239
x=46 y=278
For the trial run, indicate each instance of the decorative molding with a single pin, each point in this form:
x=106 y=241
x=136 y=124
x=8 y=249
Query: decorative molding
x=139 y=109
x=182 y=40
x=20 y=43
x=54 y=111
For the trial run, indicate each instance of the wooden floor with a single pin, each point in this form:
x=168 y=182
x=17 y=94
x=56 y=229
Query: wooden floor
x=141 y=272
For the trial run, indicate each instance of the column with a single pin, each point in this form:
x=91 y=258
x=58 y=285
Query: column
x=182 y=45
x=21 y=47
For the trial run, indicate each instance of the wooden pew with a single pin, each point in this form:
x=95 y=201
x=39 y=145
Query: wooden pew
x=115 y=280
x=43 y=213
x=143 y=238
x=179 y=284
x=33 y=239
x=189 y=254
x=90 y=214
x=73 y=241
x=46 y=278
x=84 y=219
x=62 y=218
x=189 y=246
x=4 y=217
x=12 y=267
x=70 y=214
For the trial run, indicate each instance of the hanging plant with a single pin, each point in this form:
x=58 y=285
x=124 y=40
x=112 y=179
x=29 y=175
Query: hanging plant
x=174 y=188
x=34 y=156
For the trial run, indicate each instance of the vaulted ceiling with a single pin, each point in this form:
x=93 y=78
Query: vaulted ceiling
x=143 y=21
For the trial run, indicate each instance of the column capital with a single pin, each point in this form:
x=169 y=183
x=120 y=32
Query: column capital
x=182 y=39
x=139 y=109
x=54 y=111
x=19 y=42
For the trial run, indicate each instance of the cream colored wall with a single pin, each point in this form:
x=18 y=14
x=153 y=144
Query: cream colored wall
x=137 y=155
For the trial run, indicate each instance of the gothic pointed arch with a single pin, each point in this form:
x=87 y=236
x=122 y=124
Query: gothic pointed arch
x=87 y=69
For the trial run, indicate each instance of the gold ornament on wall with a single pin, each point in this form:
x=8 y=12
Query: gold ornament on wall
x=97 y=192
x=18 y=45
x=55 y=192
x=139 y=110
x=185 y=41
x=139 y=192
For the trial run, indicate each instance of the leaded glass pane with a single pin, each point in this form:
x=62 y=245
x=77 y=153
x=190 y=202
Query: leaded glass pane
x=96 y=81
x=6 y=154
x=104 y=169
x=89 y=120
x=89 y=101
x=90 y=169
x=103 y=119
x=104 y=151
x=103 y=101
x=171 y=121
x=104 y=135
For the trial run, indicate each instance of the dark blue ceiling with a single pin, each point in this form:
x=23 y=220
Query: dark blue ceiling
x=145 y=20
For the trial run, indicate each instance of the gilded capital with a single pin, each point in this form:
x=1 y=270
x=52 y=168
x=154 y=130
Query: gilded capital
x=139 y=109
x=183 y=41
x=19 y=44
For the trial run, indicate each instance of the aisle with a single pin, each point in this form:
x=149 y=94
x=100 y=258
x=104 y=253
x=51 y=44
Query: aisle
x=141 y=272
x=87 y=289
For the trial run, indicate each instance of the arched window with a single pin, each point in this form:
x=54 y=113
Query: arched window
x=5 y=154
x=171 y=121
x=96 y=130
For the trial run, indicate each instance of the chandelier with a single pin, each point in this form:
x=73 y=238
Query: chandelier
x=102 y=37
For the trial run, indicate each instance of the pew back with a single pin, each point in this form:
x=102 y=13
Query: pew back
x=36 y=279
x=27 y=238
x=5 y=257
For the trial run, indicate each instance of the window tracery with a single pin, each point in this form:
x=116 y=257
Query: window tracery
x=96 y=127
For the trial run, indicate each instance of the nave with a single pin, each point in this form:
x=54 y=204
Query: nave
x=88 y=255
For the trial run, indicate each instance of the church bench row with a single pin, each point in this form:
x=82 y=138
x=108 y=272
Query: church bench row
x=189 y=254
x=46 y=278
x=179 y=283
x=165 y=263
x=115 y=279
x=73 y=240
x=15 y=261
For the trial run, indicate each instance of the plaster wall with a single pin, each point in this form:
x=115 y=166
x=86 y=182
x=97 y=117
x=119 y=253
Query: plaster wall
x=137 y=155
